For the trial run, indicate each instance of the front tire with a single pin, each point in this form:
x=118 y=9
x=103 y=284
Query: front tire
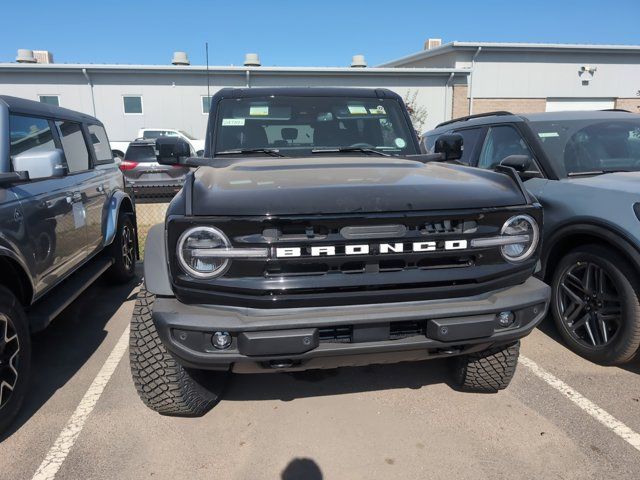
x=162 y=383
x=123 y=251
x=15 y=357
x=595 y=304
x=488 y=371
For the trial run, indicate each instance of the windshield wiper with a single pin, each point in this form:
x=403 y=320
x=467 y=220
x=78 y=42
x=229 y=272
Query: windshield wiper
x=593 y=172
x=273 y=152
x=350 y=149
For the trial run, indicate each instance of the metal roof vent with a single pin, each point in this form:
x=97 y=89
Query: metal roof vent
x=432 y=43
x=25 y=56
x=251 y=60
x=180 y=58
x=358 y=61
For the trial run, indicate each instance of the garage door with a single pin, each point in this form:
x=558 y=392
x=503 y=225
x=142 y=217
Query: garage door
x=573 y=104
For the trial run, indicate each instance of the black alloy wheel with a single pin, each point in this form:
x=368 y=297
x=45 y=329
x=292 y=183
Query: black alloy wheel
x=128 y=246
x=589 y=303
x=596 y=304
x=9 y=354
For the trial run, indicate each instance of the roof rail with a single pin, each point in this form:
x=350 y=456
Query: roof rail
x=615 y=110
x=477 y=115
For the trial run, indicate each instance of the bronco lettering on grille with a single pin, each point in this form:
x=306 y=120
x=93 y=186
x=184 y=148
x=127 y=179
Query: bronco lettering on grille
x=365 y=249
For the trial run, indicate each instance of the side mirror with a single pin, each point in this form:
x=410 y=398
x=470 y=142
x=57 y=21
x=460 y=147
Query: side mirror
x=172 y=150
x=520 y=163
x=41 y=164
x=449 y=146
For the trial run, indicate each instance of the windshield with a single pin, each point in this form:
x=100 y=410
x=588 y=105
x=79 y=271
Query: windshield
x=190 y=137
x=583 y=146
x=300 y=126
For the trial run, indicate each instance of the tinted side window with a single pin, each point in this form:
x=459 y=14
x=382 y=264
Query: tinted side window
x=101 y=145
x=74 y=146
x=500 y=142
x=29 y=134
x=470 y=137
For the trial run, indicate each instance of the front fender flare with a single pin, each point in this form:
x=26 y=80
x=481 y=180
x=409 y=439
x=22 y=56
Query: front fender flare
x=606 y=232
x=111 y=212
x=156 y=266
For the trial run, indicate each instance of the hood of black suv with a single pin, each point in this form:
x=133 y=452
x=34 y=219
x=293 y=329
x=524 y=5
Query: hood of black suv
x=346 y=185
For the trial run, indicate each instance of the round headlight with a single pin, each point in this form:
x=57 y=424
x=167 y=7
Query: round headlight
x=194 y=252
x=525 y=226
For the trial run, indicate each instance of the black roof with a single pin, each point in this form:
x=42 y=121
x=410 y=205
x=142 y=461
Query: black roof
x=306 y=92
x=507 y=117
x=30 y=107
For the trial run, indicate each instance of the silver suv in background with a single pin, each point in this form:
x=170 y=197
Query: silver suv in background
x=145 y=176
x=65 y=219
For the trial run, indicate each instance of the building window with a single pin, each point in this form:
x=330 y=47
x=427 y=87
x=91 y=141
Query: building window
x=206 y=105
x=132 y=104
x=50 y=99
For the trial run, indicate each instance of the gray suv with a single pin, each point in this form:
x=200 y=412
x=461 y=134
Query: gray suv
x=584 y=168
x=64 y=220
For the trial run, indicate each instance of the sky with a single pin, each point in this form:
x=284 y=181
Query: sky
x=298 y=33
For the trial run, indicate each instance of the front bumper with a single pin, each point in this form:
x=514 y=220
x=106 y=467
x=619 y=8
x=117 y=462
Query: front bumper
x=326 y=337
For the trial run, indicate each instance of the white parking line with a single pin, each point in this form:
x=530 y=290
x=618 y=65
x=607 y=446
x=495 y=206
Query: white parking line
x=608 y=420
x=60 y=449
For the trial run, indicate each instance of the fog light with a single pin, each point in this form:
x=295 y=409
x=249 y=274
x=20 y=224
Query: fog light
x=506 y=318
x=221 y=340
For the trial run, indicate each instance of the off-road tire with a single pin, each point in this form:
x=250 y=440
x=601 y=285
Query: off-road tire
x=162 y=383
x=16 y=323
x=488 y=371
x=624 y=347
x=123 y=269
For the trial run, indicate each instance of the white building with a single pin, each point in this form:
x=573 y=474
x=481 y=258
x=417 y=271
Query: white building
x=448 y=80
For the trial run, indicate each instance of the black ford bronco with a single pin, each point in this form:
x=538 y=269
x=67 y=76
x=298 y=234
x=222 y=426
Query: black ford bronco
x=314 y=235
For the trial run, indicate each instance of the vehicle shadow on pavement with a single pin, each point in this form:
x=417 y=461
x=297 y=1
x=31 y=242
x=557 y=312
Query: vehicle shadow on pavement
x=61 y=350
x=547 y=326
x=316 y=383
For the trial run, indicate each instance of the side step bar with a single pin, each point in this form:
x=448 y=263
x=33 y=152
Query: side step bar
x=50 y=306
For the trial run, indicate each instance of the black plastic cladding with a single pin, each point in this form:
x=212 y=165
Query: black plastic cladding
x=342 y=280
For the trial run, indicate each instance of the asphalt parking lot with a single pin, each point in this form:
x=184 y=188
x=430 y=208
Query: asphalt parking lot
x=562 y=417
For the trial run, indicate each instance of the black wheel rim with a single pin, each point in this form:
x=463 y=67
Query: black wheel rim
x=9 y=350
x=589 y=304
x=128 y=247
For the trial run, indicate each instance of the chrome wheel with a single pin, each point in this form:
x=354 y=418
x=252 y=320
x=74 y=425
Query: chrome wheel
x=589 y=304
x=9 y=350
x=128 y=247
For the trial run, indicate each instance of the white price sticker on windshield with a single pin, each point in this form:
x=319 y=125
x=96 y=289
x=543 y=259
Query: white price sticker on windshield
x=259 y=110
x=233 y=122
x=548 y=134
x=357 y=109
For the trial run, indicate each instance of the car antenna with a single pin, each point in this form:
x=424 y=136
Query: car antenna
x=206 y=49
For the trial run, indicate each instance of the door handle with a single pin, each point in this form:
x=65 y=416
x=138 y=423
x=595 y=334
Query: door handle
x=74 y=197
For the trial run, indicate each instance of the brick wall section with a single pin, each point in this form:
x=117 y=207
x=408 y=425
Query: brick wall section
x=460 y=101
x=631 y=104
x=515 y=105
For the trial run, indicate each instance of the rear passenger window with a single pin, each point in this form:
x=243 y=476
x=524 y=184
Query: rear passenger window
x=470 y=137
x=29 y=134
x=74 y=146
x=100 y=144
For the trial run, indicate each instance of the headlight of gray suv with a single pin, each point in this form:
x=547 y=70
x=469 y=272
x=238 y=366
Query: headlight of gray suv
x=636 y=208
x=206 y=252
x=518 y=239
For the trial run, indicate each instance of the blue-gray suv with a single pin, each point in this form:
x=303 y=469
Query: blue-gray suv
x=65 y=219
x=584 y=168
